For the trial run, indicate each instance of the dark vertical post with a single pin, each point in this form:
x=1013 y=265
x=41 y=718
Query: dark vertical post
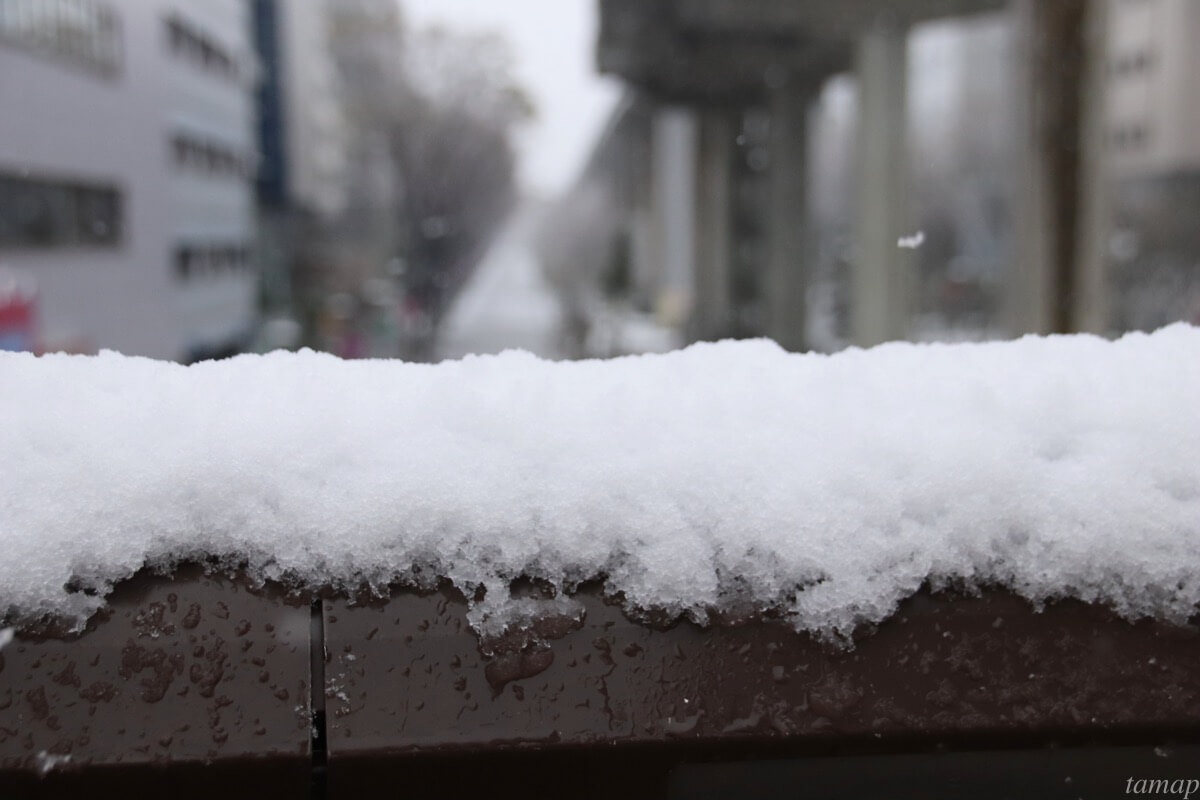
x=714 y=217
x=1058 y=280
x=788 y=229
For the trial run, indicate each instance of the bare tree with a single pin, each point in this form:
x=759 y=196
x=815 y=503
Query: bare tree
x=451 y=140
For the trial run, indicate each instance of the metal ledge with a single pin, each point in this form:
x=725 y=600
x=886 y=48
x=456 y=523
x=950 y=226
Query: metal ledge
x=201 y=681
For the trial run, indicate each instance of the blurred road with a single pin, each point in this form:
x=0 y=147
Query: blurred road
x=506 y=304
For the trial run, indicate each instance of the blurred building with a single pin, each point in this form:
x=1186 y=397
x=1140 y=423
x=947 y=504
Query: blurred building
x=125 y=164
x=361 y=313
x=82 y=208
x=209 y=108
x=302 y=140
x=1153 y=115
x=1154 y=94
x=301 y=125
x=593 y=245
x=366 y=42
x=963 y=159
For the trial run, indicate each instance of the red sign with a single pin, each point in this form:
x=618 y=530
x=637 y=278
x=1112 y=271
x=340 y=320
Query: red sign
x=18 y=318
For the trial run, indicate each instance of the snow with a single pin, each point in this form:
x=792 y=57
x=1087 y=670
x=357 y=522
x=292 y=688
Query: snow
x=727 y=475
x=911 y=242
x=48 y=762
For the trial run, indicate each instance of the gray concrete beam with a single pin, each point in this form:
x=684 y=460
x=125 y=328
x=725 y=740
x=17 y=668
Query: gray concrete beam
x=843 y=20
x=1091 y=310
x=714 y=221
x=723 y=51
x=881 y=282
x=789 y=239
x=673 y=198
x=645 y=44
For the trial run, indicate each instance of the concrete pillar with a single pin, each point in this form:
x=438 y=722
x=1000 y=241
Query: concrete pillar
x=789 y=239
x=643 y=255
x=1059 y=281
x=714 y=219
x=1091 y=313
x=673 y=167
x=881 y=283
x=1028 y=299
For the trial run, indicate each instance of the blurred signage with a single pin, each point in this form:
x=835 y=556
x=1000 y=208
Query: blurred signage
x=18 y=305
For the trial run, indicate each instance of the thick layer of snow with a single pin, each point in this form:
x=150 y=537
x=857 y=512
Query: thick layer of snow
x=828 y=487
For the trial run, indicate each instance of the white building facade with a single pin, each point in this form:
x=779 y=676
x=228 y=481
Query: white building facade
x=126 y=160
x=1154 y=86
x=314 y=120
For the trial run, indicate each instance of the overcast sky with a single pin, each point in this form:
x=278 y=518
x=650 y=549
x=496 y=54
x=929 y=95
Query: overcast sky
x=554 y=42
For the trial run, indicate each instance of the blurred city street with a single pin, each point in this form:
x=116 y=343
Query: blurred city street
x=423 y=179
x=506 y=304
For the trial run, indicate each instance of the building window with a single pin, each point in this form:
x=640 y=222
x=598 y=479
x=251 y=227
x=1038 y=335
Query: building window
x=197 y=155
x=49 y=213
x=1131 y=137
x=205 y=261
x=189 y=43
x=84 y=32
x=1130 y=64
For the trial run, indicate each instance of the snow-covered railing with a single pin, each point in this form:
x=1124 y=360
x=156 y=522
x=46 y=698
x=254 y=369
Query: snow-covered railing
x=557 y=509
x=822 y=488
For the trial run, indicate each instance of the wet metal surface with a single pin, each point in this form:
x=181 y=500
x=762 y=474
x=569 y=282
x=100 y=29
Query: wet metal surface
x=408 y=676
x=200 y=684
x=192 y=671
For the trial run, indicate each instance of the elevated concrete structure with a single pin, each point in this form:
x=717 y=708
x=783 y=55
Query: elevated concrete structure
x=674 y=51
x=720 y=58
x=881 y=283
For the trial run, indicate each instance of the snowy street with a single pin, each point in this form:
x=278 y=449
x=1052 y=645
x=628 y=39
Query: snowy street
x=506 y=304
